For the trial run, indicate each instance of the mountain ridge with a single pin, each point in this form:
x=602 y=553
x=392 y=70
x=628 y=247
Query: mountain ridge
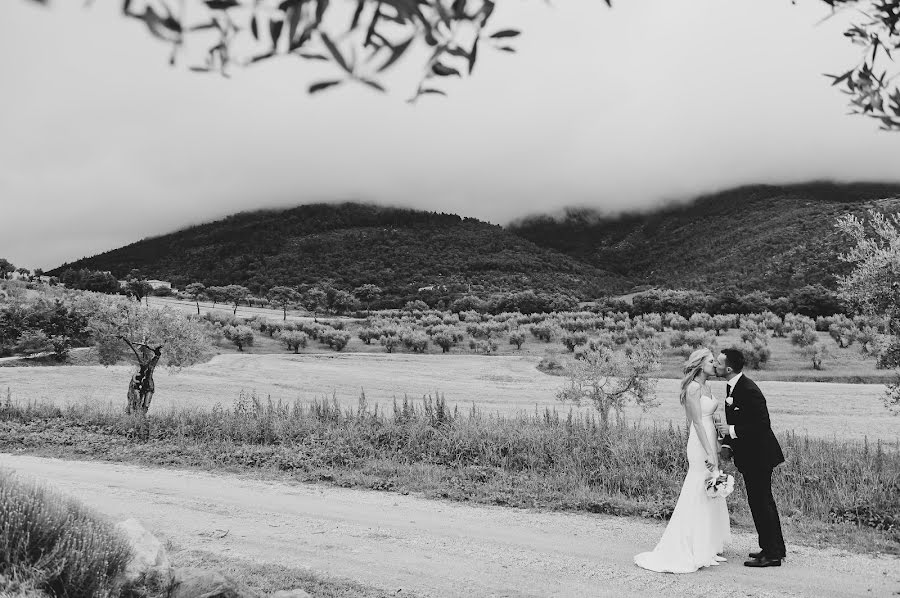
x=353 y=244
x=773 y=238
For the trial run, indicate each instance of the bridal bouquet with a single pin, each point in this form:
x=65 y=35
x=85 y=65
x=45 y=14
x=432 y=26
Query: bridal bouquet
x=719 y=484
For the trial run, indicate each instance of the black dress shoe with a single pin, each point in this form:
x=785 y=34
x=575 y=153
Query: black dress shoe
x=763 y=561
x=755 y=555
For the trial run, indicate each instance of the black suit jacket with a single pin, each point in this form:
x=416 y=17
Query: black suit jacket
x=755 y=444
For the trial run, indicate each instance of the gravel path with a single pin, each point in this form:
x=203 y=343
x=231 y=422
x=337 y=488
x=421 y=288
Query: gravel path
x=435 y=548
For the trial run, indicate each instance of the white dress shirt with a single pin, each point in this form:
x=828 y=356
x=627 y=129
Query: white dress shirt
x=729 y=400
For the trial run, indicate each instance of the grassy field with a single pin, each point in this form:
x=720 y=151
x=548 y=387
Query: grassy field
x=503 y=384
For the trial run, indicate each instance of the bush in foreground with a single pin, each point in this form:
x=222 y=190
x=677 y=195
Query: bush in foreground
x=53 y=543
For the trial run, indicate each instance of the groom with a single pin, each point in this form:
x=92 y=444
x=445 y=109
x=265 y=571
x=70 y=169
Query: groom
x=756 y=453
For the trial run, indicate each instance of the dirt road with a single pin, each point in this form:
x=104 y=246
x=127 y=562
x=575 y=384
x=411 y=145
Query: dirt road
x=432 y=547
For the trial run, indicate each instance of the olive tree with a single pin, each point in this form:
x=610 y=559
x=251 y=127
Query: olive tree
x=872 y=288
x=196 y=290
x=283 y=297
x=235 y=293
x=153 y=335
x=611 y=379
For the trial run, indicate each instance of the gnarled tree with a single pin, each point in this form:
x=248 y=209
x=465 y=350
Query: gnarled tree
x=154 y=335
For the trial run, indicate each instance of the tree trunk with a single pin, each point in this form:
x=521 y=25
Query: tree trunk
x=285 y=312
x=141 y=386
x=198 y=307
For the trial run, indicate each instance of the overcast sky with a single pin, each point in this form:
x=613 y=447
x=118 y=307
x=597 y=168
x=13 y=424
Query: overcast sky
x=102 y=143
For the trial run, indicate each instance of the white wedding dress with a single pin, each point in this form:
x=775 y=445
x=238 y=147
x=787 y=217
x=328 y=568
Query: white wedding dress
x=699 y=528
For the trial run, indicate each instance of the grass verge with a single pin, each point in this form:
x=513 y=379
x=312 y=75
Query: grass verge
x=841 y=493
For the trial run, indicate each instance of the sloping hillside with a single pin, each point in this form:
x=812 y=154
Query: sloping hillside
x=761 y=237
x=354 y=244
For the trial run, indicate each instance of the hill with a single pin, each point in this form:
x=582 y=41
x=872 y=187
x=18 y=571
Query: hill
x=354 y=244
x=762 y=237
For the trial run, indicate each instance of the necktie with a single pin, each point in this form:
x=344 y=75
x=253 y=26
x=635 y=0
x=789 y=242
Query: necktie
x=728 y=390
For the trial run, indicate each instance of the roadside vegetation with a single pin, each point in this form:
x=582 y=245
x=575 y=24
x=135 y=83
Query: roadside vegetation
x=836 y=492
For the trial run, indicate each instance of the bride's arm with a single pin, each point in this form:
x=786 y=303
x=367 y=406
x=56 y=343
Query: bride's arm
x=695 y=415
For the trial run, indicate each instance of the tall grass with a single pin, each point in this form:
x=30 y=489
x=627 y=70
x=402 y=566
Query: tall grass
x=548 y=459
x=53 y=543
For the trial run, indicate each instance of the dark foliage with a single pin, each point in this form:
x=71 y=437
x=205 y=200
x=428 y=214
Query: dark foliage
x=62 y=325
x=811 y=300
x=769 y=238
x=353 y=244
x=86 y=279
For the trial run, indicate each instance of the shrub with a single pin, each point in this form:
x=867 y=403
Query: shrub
x=888 y=353
x=517 y=338
x=313 y=329
x=336 y=339
x=367 y=335
x=868 y=339
x=241 y=336
x=65 y=547
x=722 y=322
x=640 y=331
x=414 y=340
x=545 y=332
x=33 y=341
x=223 y=319
x=815 y=353
x=468 y=303
x=574 y=339
x=389 y=342
x=679 y=322
x=61 y=346
x=756 y=352
x=804 y=336
x=842 y=330
x=798 y=322
x=752 y=332
x=701 y=320
x=445 y=337
x=271 y=327
x=486 y=346
x=293 y=339
x=693 y=339
x=774 y=323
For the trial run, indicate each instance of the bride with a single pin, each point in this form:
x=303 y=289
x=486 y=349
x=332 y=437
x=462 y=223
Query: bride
x=699 y=528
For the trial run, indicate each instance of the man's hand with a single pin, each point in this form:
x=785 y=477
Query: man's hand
x=722 y=428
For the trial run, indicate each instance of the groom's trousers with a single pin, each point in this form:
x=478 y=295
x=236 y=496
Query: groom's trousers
x=765 y=513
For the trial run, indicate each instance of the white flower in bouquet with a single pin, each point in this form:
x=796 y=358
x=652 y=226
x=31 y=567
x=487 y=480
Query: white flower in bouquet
x=719 y=484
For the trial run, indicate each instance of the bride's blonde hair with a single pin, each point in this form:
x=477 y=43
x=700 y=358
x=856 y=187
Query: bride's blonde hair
x=692 y=367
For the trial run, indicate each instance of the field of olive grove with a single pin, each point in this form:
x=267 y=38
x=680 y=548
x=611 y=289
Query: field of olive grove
x=793 y=348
